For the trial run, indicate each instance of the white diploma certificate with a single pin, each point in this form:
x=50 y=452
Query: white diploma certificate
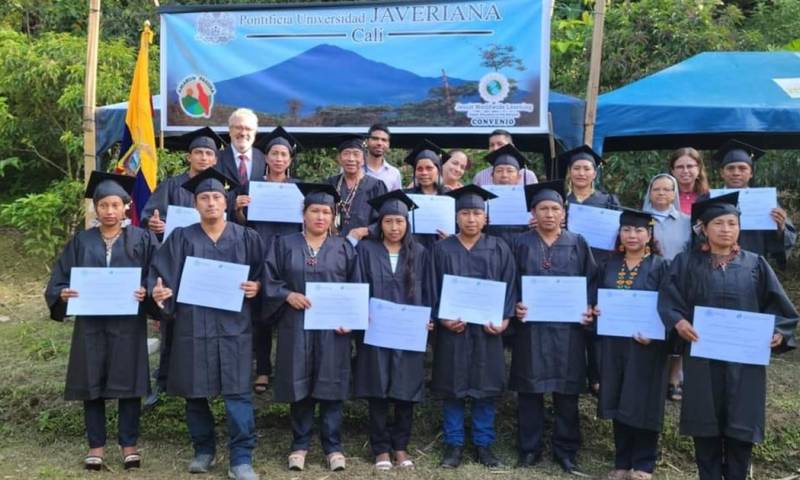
x=509 y=206
x=275 y=202
x=104 y=291
x=554 y=299
x=335 y=305
x=180 y=217
x=599 y=226
x=473 y=300
x=397 y=326
x=733 y=335
x=434 y=212
x=756 y=205
x=627 y=313
x=213 y=284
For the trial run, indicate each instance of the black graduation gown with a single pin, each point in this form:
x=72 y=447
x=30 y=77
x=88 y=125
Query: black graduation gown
x=767 y=243
x=383 y=372
x=108 y=354
x=550 y=356
x=361 y=213
x=169 y=192
x=310 y=363
x=633 y=377
x=211 y=352
x=733 y=406
x=506 y=232
x=470 y=363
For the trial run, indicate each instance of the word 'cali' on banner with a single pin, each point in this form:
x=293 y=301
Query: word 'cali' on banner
x=432 y=67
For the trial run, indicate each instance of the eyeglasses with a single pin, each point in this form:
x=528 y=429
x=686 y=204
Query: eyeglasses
x=685 y=167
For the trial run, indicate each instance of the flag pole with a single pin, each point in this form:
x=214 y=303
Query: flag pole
x=90 y=100
x=594 y=72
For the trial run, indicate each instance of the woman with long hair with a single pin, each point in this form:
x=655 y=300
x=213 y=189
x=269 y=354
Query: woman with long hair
x=453 y=169
x=633 y=371
x=394 y=265
x=108 y=354
x=686 y=165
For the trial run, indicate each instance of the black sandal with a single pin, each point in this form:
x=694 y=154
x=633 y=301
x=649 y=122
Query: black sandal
x=675 y=392
x=93 y=463
x=132 y=460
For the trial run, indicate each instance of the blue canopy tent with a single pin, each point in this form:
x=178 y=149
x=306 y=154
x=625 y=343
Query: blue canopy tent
x=567 y=114
x=703 y=101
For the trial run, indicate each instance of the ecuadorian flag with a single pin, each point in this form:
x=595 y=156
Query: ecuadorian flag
x=139 y=140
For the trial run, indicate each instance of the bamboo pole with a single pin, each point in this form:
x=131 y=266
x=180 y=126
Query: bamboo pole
x=595 y=63
x=90 y=100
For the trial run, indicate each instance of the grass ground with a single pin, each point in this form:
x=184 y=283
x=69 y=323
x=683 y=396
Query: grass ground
x=41 y=436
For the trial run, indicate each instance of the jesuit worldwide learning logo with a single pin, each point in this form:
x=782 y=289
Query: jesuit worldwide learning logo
x=493 y=87
x=215 y=28
x=196 y=94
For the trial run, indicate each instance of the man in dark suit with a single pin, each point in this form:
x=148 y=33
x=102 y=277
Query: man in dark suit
x=241 y=161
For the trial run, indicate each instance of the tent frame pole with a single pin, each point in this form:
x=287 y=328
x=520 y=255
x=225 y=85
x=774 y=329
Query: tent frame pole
x=595 y=65
x=90 y=101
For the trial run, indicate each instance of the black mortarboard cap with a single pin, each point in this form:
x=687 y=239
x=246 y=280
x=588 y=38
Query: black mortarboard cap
x=635 y=218
x=278 y=136
x=709 y=209
x=507 y=155
x=393 y=203
x=102 y=184
x=350 y=140
x=318 y=193
x=471 y=196
x=537 y=192
x=734 y=151
x=429 y=150
x=210 y=180
x=203 y=138
x=584 y=152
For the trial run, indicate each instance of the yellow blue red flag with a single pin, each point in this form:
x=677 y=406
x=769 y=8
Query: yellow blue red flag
x=138 y=140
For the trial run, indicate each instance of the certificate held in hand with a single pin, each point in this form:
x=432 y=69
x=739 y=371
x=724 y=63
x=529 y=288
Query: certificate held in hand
x=180 y=217
x=397 y=326
x=213 y=284
x=433 y=212
x=732 y=335
x=627 y=313
x=509 y=207
x=275 y=202
x=473 y=300
x=599 y=226
x=554 y=299
x=104 y=291
x=756 y=205
x=335 y=305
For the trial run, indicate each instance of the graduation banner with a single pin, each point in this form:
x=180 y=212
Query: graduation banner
x=421 y=67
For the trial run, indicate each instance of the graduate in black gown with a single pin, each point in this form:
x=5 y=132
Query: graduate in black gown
x=723 y=405
x=579 y=169
x=280 y=150
x=469 y=362
x=312 y=366
x=633 y=371
x=202 y=154
x=736 y=162
x=549 y=357
x=211 y=348
x=426 y=160
x=108 y=354
x=355 y=188
x=395 y=266
x=508 y=164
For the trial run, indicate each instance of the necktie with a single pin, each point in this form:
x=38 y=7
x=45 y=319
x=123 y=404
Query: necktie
x=243 y=169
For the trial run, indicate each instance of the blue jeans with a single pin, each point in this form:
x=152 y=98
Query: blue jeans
x=482 y=421
x=241 y=427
